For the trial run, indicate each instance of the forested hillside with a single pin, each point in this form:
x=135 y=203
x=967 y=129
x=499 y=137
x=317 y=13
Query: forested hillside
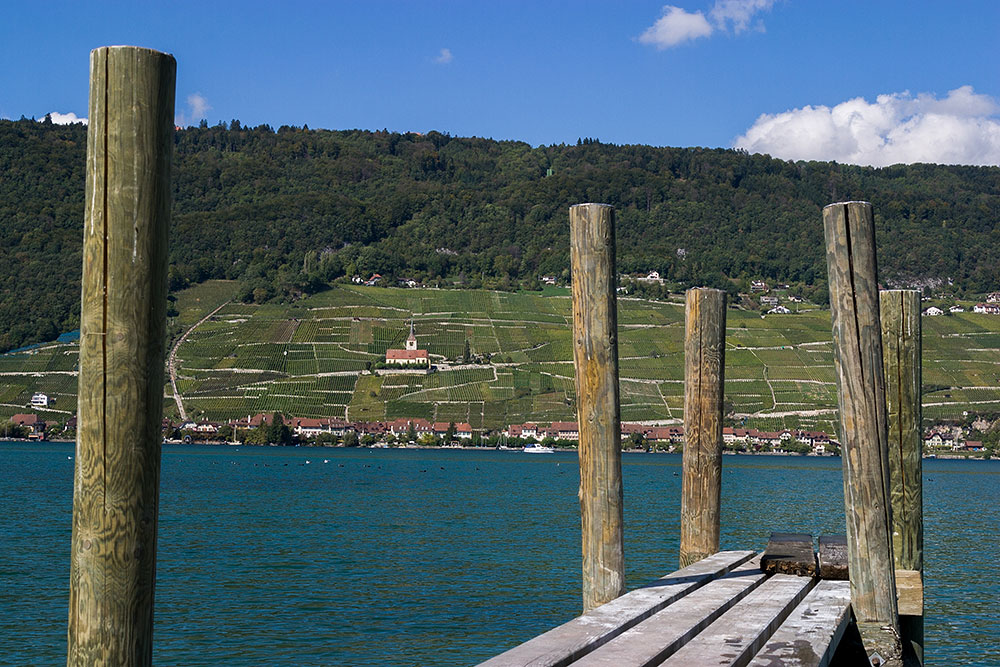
x=287 y=211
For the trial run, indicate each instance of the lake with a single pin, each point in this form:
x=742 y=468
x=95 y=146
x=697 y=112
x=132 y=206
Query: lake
x=435 y=557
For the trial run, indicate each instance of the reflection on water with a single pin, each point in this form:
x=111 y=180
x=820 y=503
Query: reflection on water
x=387 y=557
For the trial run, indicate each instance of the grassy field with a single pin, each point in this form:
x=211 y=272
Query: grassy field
x=310 y=359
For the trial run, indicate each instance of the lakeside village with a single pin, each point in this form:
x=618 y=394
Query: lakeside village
x=957 y=440
x=277 y=429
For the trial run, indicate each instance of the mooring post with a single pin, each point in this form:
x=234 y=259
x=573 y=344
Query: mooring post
x=901 y=342
x=857 y=341
x=704 y=364
x=595 y=358
x=122 y=328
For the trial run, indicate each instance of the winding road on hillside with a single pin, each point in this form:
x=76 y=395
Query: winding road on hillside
x=172 y=360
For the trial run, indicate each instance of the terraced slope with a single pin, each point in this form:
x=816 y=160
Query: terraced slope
x=312 y=359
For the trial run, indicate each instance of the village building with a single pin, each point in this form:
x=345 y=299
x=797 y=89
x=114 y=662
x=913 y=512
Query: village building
x=31 y=422
x=987 y=308
x=564 y=431
x=411 y=355
x=769 y=301
x=401 y=426
x=933 y=311
x=651 y=277
x=956 y=309
x=758 y=286
x=39 y=400
x=779 y=310
x=993 y=297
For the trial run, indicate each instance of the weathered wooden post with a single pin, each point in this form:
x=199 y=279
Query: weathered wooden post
x=857 y=342
x=704 y=364
x=122 y=328
x=595 y=358
x=901 y=342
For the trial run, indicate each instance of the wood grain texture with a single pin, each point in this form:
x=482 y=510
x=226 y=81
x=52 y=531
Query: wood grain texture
x=595 y=358
x=810 y=634
x=854 y=303
x=743 y=630
x=832 y=557
x=122 y=328
x=789 y=553
x=901 y=342
x=901 y=346
x=663 y=633
x=704 y=364
x=578 y=637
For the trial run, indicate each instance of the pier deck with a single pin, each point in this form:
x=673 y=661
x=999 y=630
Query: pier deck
x=722 y=610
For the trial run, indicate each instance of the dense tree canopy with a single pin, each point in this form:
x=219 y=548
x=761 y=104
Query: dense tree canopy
x=287 y=211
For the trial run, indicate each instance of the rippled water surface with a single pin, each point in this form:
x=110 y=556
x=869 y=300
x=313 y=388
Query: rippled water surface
x=390 y=557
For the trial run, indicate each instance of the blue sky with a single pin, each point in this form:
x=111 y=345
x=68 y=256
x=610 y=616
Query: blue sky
x=872 y=82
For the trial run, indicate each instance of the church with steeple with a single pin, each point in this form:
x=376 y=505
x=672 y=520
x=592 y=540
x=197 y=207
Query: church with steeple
x=411 y=355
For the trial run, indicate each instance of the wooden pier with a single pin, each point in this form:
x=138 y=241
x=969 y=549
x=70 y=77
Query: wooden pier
x=731 y=608
x=859 y=599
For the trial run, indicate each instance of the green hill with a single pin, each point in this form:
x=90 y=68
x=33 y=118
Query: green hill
x=285 y=212
x=309 y=359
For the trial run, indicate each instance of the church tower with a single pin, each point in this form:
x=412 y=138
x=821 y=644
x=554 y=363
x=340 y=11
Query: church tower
x=411 y=341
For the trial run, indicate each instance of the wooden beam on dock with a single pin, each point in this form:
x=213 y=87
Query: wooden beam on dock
x=661 y=635
x=789 y=553
x=811 y=633
x=901 y=342
x=745 y=628
x=704 y=366
x=723 y=610
x=122 y=330
x=595 y=358
x=582 y=635
x=854 y=303
x=832 y=557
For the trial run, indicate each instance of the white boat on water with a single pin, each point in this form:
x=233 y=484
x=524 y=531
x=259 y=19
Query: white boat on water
x=537 y=449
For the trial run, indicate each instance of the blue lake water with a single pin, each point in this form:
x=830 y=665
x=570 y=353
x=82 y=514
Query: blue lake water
x=402 y=557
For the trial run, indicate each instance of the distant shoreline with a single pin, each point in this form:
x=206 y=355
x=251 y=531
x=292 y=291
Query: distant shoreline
x=219 y=443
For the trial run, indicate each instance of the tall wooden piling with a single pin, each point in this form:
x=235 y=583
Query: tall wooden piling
x=901 y=344
x=857 y=337
x=595 y=358
x=122 y=328
x=704 y=364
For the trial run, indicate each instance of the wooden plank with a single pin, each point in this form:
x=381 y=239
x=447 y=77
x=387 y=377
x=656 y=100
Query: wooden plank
x=660 y=635
x=595 y=358
x=849 y=231
x=704 y=366
x=789 y=553
x=833 y=557
x=739 y=633
x=572 y=640
x=122 y=328
x=910 y=592
x=811 y=633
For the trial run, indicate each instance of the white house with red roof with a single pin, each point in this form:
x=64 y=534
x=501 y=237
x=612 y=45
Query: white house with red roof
x=411 y=355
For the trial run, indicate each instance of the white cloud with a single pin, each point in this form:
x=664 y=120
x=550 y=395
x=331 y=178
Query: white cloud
x=444 y=57
x=737 y=14
x=198 y=104
x=676 y=26
x=898 y=128
x=66 y=118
